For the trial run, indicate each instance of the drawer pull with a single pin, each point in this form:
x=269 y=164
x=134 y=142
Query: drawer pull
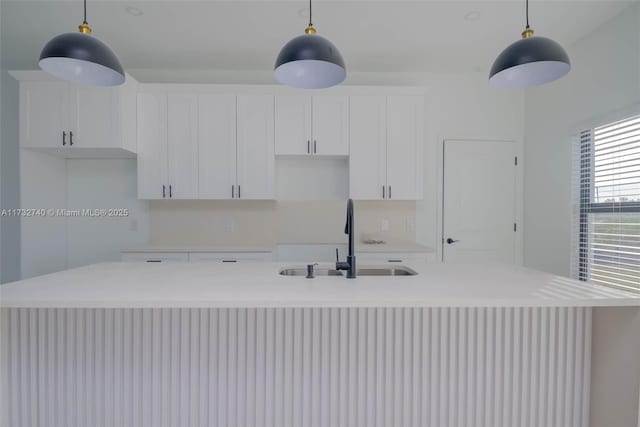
x=229 y=260
x=154 y=260
x=394 y=260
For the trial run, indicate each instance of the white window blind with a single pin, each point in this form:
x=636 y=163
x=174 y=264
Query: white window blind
x=607 y=249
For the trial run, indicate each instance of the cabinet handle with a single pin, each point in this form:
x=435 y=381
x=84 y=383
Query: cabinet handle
x=389 y=191
x=70 y=137
x=314 y=146
x=170 y=195
x=383 y=191
x=238 y=191
x=64 y=138
x=308 y=146
x=164 y=188
x=233 y=191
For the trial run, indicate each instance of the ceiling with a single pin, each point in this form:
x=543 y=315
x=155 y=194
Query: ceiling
x=384 y=36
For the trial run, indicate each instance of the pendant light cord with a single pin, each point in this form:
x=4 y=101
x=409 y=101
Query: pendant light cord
x=310 y=12
x=527 y=12
x=85 y=12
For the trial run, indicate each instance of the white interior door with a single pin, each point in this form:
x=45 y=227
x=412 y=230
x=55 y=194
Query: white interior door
x=479 y=212
x=256 y=159
x=217 y=146
x=330 y=126
x=93 y=116
x=152 y=146
x=293 y=124
x=367 y=147
x=183 y=146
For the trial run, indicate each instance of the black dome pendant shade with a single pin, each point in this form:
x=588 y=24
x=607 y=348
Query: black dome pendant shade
x=80 y=57
x=531 y=61
x=310 y=61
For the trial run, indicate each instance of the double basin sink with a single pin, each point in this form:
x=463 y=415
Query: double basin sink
x=396 y=270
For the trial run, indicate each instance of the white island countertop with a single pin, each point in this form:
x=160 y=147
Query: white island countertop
x=208 y=284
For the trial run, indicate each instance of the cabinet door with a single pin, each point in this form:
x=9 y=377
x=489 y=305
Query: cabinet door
x=256 y=159
x=217 y=146
x=44 y=110
x=92 y=112
x=367 y=147
x=182 y=130
x=405 y=140
x=293 y=124
x=330 y=126
x=152 y=146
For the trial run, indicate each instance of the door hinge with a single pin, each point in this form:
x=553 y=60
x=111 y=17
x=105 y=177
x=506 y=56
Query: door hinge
x=515 y=227
x=516 y=161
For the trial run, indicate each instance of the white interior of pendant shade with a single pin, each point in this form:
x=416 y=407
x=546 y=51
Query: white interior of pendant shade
x=310 y=74
x=79 y=71
x=530 y=74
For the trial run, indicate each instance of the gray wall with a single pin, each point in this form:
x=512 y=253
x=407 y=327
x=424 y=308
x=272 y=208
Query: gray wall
x=9 y=179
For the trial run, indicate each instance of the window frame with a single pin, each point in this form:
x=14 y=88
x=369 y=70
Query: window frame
x=586 y=196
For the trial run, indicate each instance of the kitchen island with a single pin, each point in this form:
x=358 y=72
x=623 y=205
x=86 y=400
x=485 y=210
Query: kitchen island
x=137 y=344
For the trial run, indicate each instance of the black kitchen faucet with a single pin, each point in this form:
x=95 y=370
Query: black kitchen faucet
x=350 y=264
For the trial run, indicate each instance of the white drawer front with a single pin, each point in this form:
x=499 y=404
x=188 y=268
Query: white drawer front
x=394 y=257
x=230 y=256
x=155 y=256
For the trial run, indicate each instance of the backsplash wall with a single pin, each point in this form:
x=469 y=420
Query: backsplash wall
x=267 y=223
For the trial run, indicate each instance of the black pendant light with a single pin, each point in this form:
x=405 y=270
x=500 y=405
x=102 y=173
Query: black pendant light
x=310 y=61
x=531 y=61
x=80 y=57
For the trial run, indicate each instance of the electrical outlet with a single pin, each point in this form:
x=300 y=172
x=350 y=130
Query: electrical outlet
x=384 y=225
x=409 y=225
x=229 y=225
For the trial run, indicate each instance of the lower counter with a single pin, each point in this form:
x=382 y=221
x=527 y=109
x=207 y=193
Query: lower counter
x=211 y=344
x=296 y=366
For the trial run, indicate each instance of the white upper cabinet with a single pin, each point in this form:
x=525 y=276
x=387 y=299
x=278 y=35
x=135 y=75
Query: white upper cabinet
x=167 y=146
x=217 y=146
x=312 y=125
x=182 y=131
x=386 y=146
x=255 y=147
x=73 y=120
x=331 y=125
x=93 y=116
x=293 y=124
x=153 y=174
x=205 y=146
x=368 y=147
x=44 y=114
x=405 y=142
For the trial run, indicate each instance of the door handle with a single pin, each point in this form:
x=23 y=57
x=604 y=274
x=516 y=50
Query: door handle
x=450 y=240
x=70 y=137
x=64 y=138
